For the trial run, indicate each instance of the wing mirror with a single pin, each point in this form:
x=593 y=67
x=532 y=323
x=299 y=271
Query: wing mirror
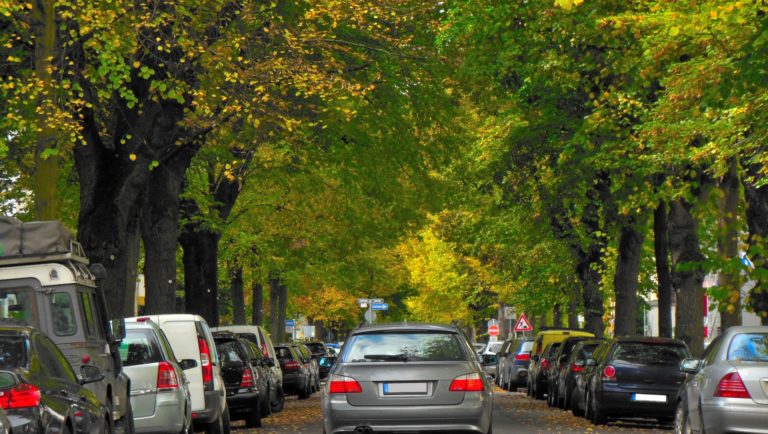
x=118 y=329
x=188 y=364
x=690 y=366
x=90 y=374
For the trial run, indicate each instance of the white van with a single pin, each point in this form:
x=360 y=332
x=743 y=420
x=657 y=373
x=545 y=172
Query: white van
x=260 y=337
x=190 y=337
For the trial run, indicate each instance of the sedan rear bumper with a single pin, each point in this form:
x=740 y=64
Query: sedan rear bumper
x=618 y=402
x=473 y=414
x=733 y=415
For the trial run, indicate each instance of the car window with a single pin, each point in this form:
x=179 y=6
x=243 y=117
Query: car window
x=283 y=353
x=494 y=347
x=255 y=351
x=7 y=380
x=649 y=353
x=600 y=352
x=749 y=347
x=140 y=347
x=229 y=351
x=86 y=307
x=526 y=347
x=13 y=352
x=53 y=362
x=166 y=344
x=63 y=314
x=17 y=306
x=412 y=346
x=585 y=351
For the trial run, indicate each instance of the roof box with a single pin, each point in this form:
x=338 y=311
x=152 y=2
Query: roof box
x=43 y=240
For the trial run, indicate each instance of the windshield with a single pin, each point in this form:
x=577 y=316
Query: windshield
x=13 y=351
x=494 y=347
x=749 y=347
x=17 y=306
x=526 y=347
x=650 y=353
x=140 y=347
x=406 y=346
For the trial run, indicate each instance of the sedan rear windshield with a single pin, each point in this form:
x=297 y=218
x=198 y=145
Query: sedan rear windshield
x=650 y=353
x=526 y=347
x=140 y=347
x=403 y=347
x=749 y=347
x=13 y=352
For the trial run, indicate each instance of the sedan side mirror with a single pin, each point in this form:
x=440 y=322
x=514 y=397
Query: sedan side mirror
x=188 y=364
x=90 y=374
x=590 y=363
x=690 y=366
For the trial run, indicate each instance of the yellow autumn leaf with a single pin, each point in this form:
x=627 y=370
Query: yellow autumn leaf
x=136 y=64
x=132 y=157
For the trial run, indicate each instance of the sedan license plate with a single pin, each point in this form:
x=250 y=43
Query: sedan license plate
x=405 y=388
x=641 y=397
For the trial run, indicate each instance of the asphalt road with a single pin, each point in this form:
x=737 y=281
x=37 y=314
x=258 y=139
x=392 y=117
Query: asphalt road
x=513 y=413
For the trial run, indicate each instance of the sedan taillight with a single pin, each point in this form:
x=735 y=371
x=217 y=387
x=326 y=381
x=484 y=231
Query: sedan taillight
x=291 y=366
x=731 y=386
x=22 y=396
x=609 y=373
x=340 y=384
x=467 y=383
x=247 y=379
x=166 y=377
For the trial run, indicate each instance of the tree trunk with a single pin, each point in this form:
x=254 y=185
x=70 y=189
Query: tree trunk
x=201 y=280
x=282 y=305
x=626 y=278
x=757 y=222
x=557 y=316
x=573 y=309
x=160 y=230
x=238 y=296
x=687 y=276
x=277 y=328
x=257 y=303
x=43 y=26
x=661 y=250
x=728 y=247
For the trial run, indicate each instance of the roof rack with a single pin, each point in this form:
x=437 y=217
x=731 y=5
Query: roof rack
x=75 y=254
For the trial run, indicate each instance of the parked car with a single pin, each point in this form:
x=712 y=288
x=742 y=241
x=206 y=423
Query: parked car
x=407 y=377
x=206 y=386
x=559 y=364
x=539 y=369
x=582 y=377
x=492 y=347
x=478 y=346
x=567 y=383
x=46 y=282
x=727 y=391
x=490 y=364
x=544 y=337
x=247 y=386
x=312 y=363
x=258 y=336
x=160 y=395
x=513 y=363
x=40 y=391
x=637 y=377
x=326 y=362
x=274 y=392
x=317 y=349
x=297 y=378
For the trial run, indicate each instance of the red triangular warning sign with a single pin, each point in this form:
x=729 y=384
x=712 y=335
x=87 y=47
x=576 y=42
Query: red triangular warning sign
x=523 y=325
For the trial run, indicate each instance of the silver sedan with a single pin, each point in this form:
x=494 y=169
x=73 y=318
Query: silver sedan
x=159 y=393
x=406 y=378
x=727 y=391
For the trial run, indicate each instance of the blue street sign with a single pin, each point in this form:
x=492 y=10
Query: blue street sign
x=379 y=306
x=290 y=323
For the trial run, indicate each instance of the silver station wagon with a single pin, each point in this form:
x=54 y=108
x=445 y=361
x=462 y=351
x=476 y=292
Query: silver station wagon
x=407 y=378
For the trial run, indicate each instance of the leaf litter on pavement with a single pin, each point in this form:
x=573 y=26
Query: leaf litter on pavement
x=298 y=416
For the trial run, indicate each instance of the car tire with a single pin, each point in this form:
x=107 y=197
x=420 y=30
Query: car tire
x=305 y=391
x=277 y=406
x=682 y=424
x=575 y=404
x=266 y=409
x=253 y=420
x=217 y=426
x=597 y=413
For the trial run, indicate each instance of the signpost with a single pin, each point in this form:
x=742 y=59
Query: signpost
x=379 y=306
x=523 y=325
x=493 y=330
x=372 y=304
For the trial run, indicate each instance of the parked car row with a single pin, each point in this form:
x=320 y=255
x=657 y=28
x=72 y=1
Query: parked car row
x=725 y=391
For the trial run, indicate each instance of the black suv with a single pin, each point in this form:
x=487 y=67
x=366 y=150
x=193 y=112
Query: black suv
x=245 y=379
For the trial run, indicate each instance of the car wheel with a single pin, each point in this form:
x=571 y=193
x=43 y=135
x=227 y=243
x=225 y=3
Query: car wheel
x=217 y=426
x=598 y=416
x=682 y=421
x=305 y=391
x=265 y=407
x=227 y=423
x=277 y=406
x=253 y=420
x=575 y=404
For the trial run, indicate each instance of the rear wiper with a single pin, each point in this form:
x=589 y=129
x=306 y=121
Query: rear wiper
x=387 y=357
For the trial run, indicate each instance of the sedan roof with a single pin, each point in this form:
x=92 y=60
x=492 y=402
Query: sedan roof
x=395 y=327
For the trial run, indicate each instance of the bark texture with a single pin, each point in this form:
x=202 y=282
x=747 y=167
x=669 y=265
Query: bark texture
x=687 y=276
x=626 y=278
x=728 y=246
x=278 y=295
x=257 y=302
x=573 y=309
x=757 y=222
x=557 y=316
x=238 y=295
x=661 y=250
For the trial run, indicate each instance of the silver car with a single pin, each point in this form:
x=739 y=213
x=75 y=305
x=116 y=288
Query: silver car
x=159 y=390
x=727 y=391
x=406 y=378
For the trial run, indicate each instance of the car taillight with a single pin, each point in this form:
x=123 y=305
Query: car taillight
x=264 y=350
x=166 y=377
x=525 y=357
x=291 y=366
x=576 y=368
x=205 y=360
x=609 y=373
x=467 y=383
x=339 y=384
x=247 y=380
x=22 y=396
x=731 y=386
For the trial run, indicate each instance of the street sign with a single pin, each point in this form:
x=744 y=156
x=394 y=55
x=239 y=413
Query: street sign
x=492 y=322
x=523 y=325
x=509 y=312
x=379 y=306
x=493 y=330
x=370 y=316
x=290 y=323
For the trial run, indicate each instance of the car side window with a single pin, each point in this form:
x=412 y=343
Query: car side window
x=53 y=361
x=63 y=314
x=166 y=344
x=86 y=308
x=712 y=350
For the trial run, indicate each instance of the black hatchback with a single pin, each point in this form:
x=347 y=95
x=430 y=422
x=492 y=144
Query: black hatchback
x=40 y=391
x=635 y=377
x=243 y=378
